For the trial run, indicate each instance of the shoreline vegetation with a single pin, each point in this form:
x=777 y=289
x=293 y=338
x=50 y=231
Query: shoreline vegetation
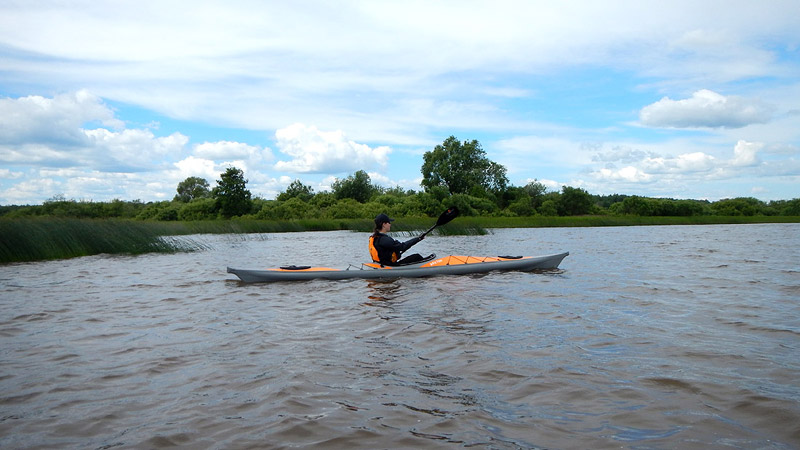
x=47 y=238
x=455 y=174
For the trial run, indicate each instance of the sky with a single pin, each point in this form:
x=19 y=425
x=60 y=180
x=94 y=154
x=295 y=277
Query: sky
x=103 y=100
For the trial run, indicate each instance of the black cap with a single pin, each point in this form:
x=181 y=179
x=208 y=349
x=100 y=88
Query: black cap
x=382 y=218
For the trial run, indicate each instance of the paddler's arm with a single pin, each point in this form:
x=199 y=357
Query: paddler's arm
x=396 y=246
x=410 y=243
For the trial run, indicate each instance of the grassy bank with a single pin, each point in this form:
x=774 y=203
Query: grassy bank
x=55 y=238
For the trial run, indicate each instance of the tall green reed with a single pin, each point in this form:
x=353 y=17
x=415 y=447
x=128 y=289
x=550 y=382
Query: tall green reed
x=53 y=238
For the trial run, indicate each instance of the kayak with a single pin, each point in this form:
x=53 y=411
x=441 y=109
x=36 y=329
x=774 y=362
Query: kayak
x=448 y=265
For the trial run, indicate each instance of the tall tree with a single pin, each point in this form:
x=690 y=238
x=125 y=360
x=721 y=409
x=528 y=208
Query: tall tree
x=231 y=194
x=297 y=189
x=574 y=201
x=357 y=186
x=192 y=188
x=459 y=166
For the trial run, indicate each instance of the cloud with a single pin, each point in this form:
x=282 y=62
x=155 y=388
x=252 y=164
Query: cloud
x=10 y=175
x=58 y=120
x=222 y=150
x=196 y=167
x=745 y=153
x=315 y=151
x=687 y=162
x=622 y=153
x=628 y=174
x=673 y=173
x=705 y=109
x=129 y=150
x=52 y=132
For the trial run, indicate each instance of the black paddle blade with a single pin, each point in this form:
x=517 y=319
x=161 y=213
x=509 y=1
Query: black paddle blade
x=447 y=216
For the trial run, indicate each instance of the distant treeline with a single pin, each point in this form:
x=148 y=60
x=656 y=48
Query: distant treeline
x=513 y=202
x=455 y=173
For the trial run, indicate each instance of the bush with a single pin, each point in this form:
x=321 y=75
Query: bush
x=198 y=209
x=548 y=208
x=347 y=208
x=159 y=211
x=740 y=206
x=523 y=206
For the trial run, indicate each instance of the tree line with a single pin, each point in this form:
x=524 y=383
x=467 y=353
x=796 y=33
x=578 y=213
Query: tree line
x=455 y=173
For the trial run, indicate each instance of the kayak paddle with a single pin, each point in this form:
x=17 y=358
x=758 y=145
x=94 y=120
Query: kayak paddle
x=444 y=218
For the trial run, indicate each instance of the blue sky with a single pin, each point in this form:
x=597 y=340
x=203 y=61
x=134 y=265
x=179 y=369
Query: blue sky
x=690 y=99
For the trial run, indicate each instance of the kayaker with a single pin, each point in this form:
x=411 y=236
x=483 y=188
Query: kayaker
x=386 y=250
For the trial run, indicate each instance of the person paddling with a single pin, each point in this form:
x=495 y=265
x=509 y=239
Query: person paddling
x=386 y=250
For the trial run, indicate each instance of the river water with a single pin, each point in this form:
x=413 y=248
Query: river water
x=647 y=337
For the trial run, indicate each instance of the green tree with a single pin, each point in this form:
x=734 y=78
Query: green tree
x=297 y=190
x=637 y=206
x=358 y=186
x=739 y=206
x=574 y=201
x=536 y=191
x=459 y=166
x=231 y=194
x=192 y=188
x=787 y=207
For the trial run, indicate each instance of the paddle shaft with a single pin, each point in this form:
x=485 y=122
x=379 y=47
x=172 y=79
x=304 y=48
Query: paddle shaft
x=444 y=218
x=429 y=230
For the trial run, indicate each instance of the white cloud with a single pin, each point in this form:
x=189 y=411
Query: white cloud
x=196 y=167
x=676 y=175
x=315 y=151
x=130 y=150
x=628 y=174
x=31 y=188
x=52 y=132
x=705 y=109
x=58 y=120
x=687 y=162
x=381 y=180
x=232 y=150
x=745 y=153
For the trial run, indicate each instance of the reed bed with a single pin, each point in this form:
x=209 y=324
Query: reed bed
x=53 y=238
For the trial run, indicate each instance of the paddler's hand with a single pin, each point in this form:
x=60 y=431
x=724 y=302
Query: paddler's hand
x=421 y=237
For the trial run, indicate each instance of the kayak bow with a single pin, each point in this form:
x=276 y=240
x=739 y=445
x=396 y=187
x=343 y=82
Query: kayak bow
x=448 y=265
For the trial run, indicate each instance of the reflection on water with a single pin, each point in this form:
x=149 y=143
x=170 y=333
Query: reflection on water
x=656 y=337
x=382 y=292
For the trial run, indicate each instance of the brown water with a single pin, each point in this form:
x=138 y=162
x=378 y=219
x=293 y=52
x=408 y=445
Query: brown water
x=648 y=337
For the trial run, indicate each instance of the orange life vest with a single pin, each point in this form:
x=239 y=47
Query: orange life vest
x=373 y=251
